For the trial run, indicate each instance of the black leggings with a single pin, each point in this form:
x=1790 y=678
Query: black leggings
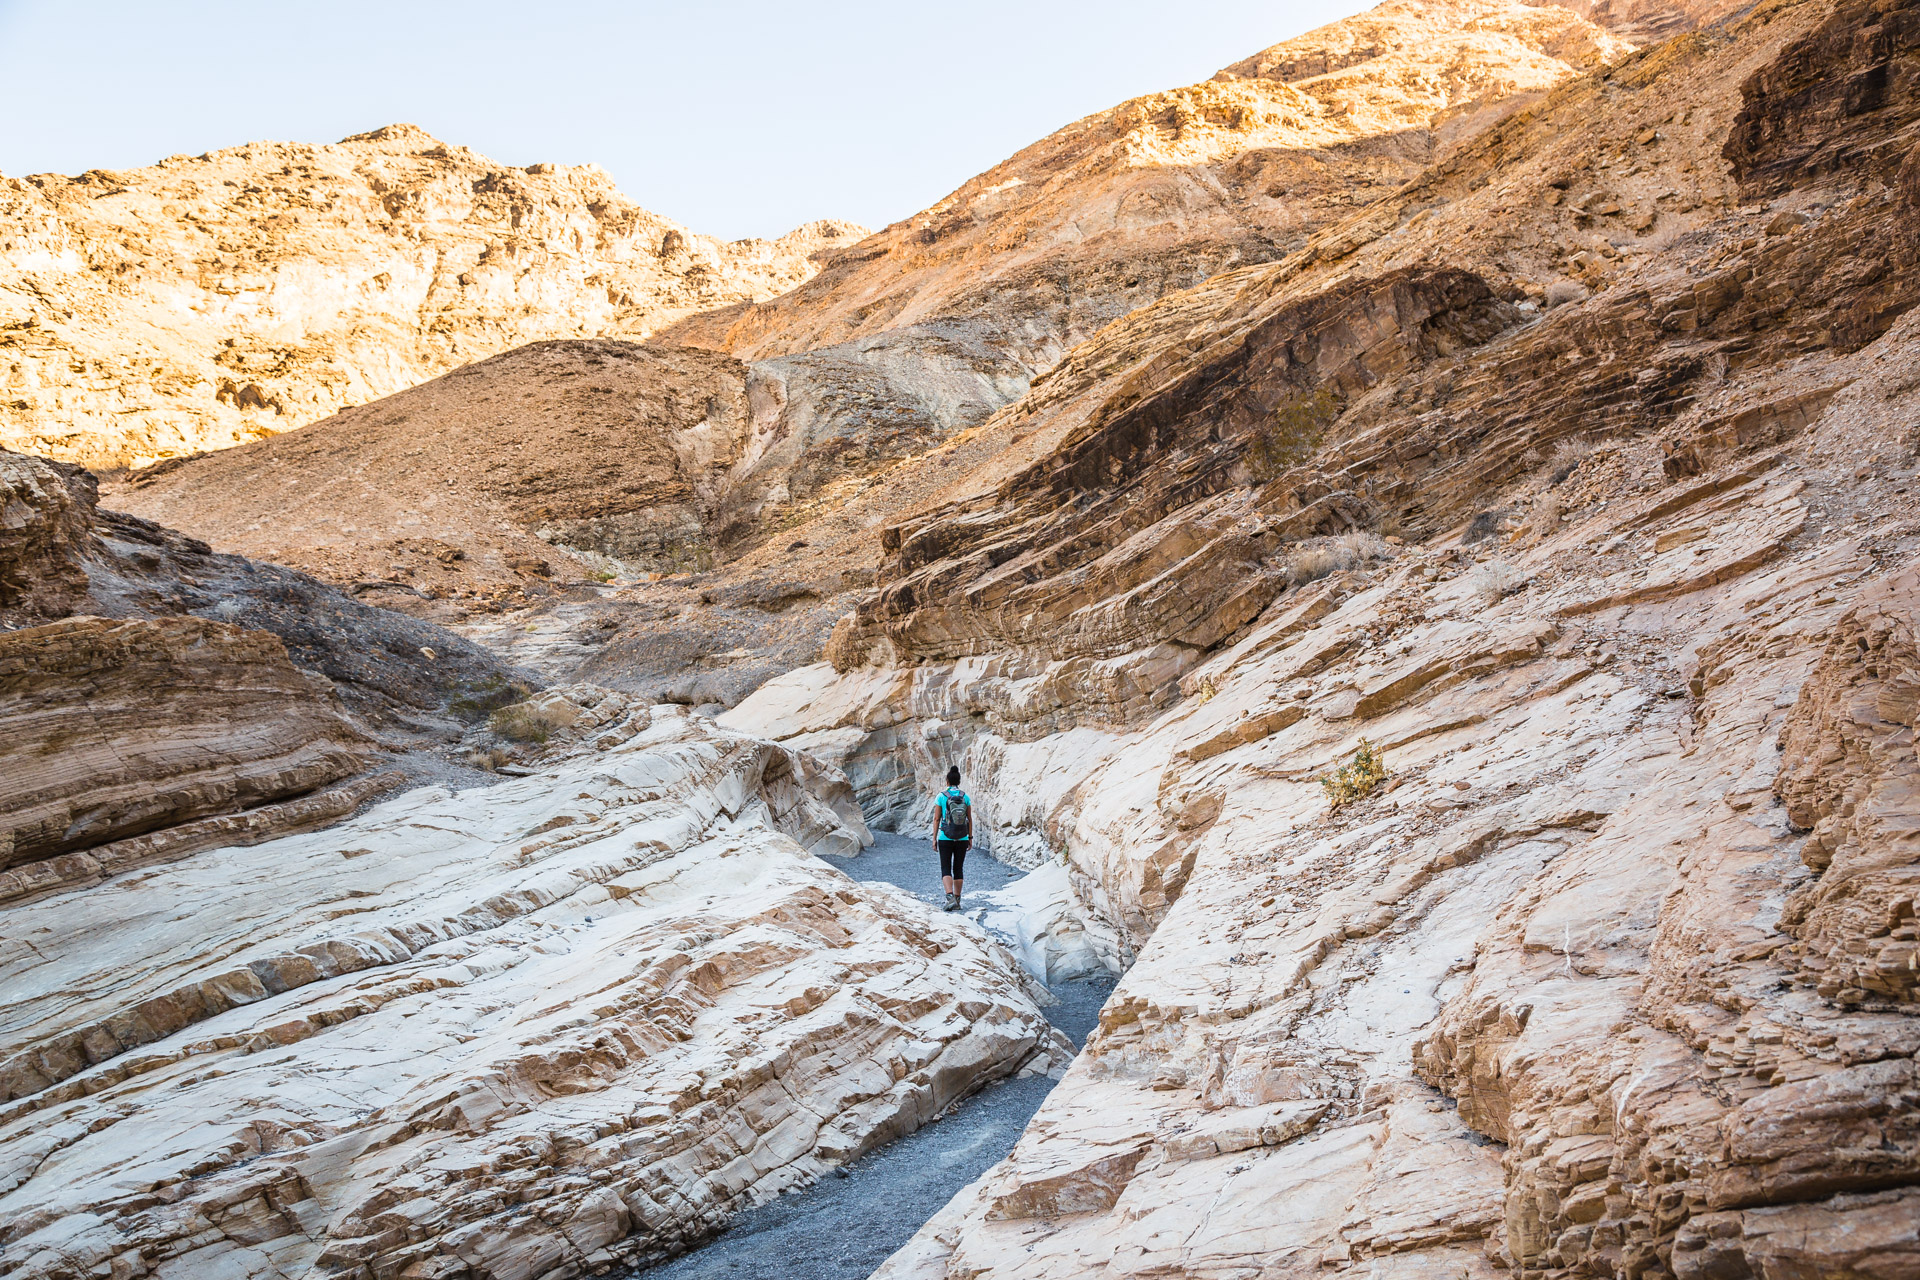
x=953 y=856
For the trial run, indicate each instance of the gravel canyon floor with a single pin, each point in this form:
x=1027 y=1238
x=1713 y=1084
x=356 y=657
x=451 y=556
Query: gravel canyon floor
x=1414 y=543
x=845 y=1226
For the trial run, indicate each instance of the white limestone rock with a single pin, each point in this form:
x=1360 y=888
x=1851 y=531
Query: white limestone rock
x=572 y=1019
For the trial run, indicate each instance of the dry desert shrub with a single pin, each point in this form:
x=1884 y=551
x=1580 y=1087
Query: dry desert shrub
x=1313 y=563
x=1335 y=555
x=1494 y=581
x=1484 y=525
x=1354 y=779
x=523 y=722
x=488 y=759
x=1567 y=456
x=1364 y=546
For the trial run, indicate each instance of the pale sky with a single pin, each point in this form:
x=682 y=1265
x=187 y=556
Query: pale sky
x=733 y=119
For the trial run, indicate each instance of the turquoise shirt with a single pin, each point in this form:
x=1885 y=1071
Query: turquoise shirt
x=940 y=823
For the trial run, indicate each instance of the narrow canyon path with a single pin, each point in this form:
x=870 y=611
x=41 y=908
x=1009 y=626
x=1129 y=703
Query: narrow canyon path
x=845 y=1226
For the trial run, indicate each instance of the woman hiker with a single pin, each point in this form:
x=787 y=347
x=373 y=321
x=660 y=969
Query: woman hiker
x=952 y=833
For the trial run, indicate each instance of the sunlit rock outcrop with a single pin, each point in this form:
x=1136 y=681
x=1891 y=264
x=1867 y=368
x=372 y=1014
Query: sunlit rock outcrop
x=207 y=300
x=568 y=1020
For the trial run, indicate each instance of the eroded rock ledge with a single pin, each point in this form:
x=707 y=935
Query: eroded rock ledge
x=1612 y=975
x=117 y=728
x=565 y=1021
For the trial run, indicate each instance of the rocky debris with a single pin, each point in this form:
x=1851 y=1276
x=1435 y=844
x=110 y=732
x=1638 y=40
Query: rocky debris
x=120 y=727
x=146 y=313
x=569 y=1022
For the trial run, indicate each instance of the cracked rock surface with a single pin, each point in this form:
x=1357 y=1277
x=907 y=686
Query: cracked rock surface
x=1611 y=973
x=568 y=1021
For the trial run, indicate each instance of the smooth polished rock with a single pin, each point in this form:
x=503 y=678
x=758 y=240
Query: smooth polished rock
x=572 y=1019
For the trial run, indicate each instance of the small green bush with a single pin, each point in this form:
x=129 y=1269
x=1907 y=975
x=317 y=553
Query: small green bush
x=476 y=700
x=1356 y=778
x=1293 y=435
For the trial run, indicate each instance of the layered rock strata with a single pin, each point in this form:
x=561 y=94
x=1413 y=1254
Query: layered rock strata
x=922 y=330
x=570 y=460
x=208 y=300
x=1609 y=974
x=1605 y=207
x=118 y=728
x=562 y=1023
x=1575 y=991
x=159 y=699
x=936 y=321
x=62 y=554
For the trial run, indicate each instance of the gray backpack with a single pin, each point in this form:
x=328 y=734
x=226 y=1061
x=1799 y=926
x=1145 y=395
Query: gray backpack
x=956 y=817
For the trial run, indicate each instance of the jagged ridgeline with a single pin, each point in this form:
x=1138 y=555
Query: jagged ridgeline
x=1412 y=544
x=922 y=330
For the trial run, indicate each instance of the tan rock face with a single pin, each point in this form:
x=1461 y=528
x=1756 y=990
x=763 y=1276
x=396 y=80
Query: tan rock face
x=566 y=1022
x=180 y=719
x=1847 y=772
x=205 y=301
x=1608 y=976
x=45 y=532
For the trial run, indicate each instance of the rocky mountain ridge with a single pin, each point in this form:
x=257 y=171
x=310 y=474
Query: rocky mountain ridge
x=1151 y=197
x=923 y=329
x=208 y=300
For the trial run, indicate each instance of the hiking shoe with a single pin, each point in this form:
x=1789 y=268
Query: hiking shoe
x=953 y=902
